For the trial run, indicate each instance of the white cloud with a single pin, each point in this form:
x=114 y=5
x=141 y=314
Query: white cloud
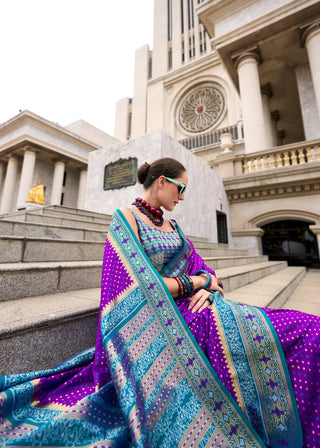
x=70 y=59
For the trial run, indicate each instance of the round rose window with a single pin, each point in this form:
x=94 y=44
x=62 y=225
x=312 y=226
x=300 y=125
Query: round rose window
x=201 y=108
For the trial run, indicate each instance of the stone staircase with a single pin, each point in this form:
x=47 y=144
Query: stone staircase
x=50 y=273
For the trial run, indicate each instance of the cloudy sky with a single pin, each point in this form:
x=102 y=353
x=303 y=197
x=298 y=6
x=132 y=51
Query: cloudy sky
x=70 y=59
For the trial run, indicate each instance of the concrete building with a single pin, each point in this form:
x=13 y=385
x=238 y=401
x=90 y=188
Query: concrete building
x=237 y=82
x=33 y=149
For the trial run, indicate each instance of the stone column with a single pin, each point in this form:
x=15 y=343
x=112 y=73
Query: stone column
x=311 y=39
x=29 y=161
x=186 y=33
x=176 y=35
x=252 y=108
x=274 y=122
x=10 y=185
x=196 y=35
x=2 y=168
x=265 y=95
x=57 y=183
x=160 y=38
x=82 y=189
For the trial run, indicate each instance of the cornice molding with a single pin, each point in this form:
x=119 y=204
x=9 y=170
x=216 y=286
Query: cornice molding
x=247 y=232
x=185 y=71
x=274 y=192
x=27 y=117
x=223 y=8
x=19 y=143
x=263 y=22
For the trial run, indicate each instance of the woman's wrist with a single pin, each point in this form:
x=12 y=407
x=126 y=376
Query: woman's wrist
x=201 y=279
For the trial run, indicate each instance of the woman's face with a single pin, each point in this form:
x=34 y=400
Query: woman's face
x=169 y=196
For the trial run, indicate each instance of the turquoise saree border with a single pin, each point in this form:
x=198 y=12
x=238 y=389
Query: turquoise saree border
x=255 y=358
x=287 y=375
x=174 y=266
x=226 y=415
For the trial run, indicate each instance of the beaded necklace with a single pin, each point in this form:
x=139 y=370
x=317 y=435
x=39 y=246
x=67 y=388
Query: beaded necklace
x=151 y=212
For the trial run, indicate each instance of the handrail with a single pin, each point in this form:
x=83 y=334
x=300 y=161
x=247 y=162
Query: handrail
x=296 y=154
x=213 y=138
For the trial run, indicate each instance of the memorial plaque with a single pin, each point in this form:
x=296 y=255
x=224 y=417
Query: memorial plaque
x=119 y=174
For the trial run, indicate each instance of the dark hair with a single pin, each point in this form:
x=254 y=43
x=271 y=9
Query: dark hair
x=148 y=173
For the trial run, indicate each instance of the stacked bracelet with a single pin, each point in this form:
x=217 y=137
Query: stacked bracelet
x=186 y=286
x=202 y=271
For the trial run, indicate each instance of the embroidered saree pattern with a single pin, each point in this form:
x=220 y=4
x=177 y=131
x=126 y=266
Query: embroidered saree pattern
x=147 y=383
x=183 y=388
x=259 y=374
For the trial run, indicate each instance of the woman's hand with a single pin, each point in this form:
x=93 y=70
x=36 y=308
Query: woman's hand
x=199 y=301
x=214 y=285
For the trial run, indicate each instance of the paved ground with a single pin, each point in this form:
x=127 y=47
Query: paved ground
x=306 y=297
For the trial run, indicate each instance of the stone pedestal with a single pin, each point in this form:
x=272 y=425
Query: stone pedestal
x=32 y=206
x=224 y=164
x=248 y=239
x=226 y=142
x=205 y=194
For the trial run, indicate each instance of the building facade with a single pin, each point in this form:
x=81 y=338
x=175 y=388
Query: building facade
x=237 y=82
x=34 y=150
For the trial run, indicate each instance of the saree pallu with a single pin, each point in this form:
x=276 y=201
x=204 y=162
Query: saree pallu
x=148 y=383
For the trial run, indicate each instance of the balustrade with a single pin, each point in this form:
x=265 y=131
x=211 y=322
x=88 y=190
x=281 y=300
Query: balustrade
x=213 y=138
x=281 y=158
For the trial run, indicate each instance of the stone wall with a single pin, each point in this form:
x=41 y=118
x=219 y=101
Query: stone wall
x=204 y=196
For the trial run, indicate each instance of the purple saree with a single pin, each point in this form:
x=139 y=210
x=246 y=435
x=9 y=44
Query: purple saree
x=299 y=337
x=151 y=382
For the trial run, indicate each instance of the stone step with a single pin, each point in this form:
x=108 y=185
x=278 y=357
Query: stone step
x=14 y=249
x=17 y=249
x=70 y=214
x=237 y=276
x=28 y=229
x=228 y=261
x=35 y=332
x=77 y=211
x=209 y=250
x=305 y=296
x=39 y=332
x=63 y=212
x=58 y=221
x=271 y=291
x=19 y=280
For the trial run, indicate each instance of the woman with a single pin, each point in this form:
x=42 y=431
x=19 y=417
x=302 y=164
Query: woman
x=175 y=365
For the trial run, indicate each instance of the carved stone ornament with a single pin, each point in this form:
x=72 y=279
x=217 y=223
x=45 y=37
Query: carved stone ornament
x=201 y=108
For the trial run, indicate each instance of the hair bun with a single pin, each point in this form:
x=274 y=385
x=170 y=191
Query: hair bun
x=143 y=172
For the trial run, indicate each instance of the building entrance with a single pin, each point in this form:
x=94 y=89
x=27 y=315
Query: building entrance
x=292 y=241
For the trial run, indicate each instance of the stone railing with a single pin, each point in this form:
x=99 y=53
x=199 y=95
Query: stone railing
x=213 y=138
x=284 y=156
